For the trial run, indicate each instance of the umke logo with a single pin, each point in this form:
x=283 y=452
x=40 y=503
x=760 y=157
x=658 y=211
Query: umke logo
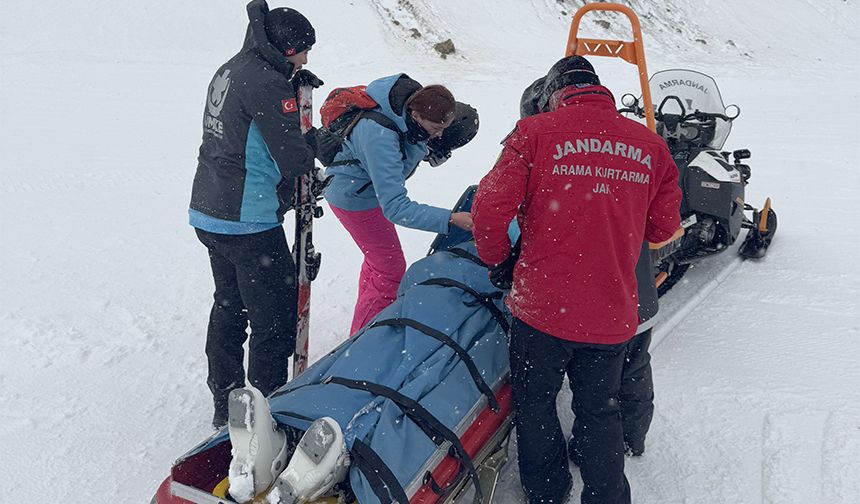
x=215 y=102
x=218 y=93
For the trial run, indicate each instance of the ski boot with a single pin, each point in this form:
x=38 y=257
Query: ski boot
x=259 y=446
x=320 y=461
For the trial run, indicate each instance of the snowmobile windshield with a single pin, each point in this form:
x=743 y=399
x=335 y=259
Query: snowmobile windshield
x=696 y=91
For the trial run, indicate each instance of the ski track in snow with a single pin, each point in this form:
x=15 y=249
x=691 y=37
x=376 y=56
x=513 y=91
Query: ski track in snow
x=105 y=291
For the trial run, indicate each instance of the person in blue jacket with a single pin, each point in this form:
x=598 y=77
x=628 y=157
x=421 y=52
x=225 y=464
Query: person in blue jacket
x=367 y=191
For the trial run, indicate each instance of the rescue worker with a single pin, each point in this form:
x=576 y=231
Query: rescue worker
x=637 y=386
x=587 y=187
x=252 y=151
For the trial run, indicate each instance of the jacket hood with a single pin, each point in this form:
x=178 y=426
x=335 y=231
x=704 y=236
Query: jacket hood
x=257 y=43
x=576 y=95
x=381 y=92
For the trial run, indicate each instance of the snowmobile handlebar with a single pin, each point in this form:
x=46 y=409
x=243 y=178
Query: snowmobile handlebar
x=632 y=106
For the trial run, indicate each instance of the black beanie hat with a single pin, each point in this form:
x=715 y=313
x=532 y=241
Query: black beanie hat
x=289 y=31
x=570 y=71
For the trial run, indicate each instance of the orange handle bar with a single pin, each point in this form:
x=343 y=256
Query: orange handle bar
x=631 y=52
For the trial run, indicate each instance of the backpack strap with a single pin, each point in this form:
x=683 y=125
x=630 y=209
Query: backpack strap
x=380 y=119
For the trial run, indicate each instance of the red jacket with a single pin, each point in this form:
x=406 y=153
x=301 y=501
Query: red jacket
x=586 y=186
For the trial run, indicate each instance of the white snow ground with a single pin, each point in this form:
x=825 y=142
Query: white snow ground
x=105 y=292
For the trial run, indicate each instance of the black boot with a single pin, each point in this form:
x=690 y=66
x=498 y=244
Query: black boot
x=634 y=449
x=219 y=418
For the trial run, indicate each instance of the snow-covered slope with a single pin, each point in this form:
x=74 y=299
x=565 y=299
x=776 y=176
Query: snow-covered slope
x=104 y=290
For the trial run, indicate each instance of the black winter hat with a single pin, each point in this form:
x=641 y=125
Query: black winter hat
x=570 y=71
x=289 y=31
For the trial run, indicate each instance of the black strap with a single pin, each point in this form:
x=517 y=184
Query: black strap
x=485 y=299
x=382 y=480
x=453 y=345
x=430 y=425
x=364 y=187
x=463 y=254
x=343 y=162
x=386 y=122
x=382 y=120
x=441 y=491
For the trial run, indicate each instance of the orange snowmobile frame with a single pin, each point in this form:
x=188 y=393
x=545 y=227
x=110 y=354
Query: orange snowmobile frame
x=632 y=52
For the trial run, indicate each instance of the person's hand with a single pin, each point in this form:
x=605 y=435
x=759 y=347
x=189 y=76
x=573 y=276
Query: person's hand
x=306 y=78
x=502 y=274
x=311 y=139
x=462 y=220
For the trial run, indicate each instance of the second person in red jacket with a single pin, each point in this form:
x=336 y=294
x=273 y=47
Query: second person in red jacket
x=587 y=186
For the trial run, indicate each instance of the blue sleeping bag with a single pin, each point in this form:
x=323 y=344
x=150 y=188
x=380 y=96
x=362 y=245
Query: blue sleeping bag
x=416 y=371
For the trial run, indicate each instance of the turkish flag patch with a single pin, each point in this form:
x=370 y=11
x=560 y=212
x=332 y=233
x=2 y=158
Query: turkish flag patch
x=288 y=106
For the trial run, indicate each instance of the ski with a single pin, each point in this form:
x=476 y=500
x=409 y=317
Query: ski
x=306 y=258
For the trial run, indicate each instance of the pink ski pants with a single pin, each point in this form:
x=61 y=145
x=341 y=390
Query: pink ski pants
x=383 y=266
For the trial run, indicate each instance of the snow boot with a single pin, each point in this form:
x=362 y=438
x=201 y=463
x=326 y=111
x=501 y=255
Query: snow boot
x=320 y=461
x=634 y=449
x=219 y=417
x=259 y=446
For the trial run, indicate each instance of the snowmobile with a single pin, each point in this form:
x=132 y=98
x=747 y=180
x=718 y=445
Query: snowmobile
x=691 y=118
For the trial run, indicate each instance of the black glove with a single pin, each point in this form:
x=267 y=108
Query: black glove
x=502 y=274
x=306 y=78
x=311 y=139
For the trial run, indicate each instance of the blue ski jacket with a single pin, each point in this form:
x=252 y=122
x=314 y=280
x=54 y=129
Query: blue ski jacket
x=377 y=178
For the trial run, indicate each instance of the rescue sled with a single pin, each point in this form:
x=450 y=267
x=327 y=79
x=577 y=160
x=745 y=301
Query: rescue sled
x=420 y=396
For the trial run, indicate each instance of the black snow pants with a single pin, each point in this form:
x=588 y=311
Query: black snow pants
x=636 y=397
x=254 y=282
x=637 y=393
x=538 y=365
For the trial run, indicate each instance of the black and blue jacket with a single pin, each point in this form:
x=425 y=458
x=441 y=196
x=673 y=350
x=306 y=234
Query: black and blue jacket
x=252 y=147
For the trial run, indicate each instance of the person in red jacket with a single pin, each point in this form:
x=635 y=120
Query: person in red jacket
x=586 y=186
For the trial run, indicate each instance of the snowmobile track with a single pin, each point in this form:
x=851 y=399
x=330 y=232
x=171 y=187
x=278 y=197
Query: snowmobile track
x=668 y=321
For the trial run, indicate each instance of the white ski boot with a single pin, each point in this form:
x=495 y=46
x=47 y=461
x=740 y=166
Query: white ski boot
x=320 y=461
x=259 y=446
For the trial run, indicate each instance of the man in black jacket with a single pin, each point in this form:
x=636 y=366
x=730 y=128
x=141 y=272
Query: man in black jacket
x=251 y=154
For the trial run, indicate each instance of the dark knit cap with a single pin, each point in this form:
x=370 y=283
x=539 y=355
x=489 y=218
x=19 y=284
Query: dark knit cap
x=434 y=103
x=569 y=71
x=289 y=31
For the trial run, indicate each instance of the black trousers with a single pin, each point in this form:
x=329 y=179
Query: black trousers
x=636 y=397
x=254 y=283
x=538 y=365
x=637 y=393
